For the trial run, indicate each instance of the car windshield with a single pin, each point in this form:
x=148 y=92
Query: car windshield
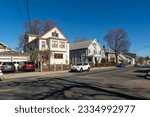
x=78 y=64
x=28 y=62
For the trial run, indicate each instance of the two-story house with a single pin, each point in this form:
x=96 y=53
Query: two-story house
x=87 y=51
x=52 y=48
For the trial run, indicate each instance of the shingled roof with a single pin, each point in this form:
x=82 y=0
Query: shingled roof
x=2 y=44
x=12 y=53
x=80 y=45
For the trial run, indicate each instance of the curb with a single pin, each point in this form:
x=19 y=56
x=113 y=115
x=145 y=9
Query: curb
x=46 y=74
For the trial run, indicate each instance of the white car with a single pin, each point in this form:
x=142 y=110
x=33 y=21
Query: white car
x=81 y=67
x=148 y=75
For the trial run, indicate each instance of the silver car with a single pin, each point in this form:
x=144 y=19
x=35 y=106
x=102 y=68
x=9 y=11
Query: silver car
x=7 y=67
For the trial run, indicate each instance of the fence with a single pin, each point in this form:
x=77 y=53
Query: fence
x=55 y=67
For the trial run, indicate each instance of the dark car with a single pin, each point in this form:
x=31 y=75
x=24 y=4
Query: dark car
x=121 y=65
x=7 y=67
x=28 y=66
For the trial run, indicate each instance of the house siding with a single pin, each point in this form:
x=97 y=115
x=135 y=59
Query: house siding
x=87 y=54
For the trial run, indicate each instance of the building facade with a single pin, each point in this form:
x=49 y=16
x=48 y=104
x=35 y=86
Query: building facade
x=87 y=51
x=13 y=56
x=8 y=55
x=50 y=48
x=110 y=57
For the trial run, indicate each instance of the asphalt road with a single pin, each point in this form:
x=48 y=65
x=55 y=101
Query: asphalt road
x=119 y=84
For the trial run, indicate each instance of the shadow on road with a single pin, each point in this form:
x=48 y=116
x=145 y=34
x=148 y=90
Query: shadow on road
x=60 y=88
x=142 y=71
x=141 y=76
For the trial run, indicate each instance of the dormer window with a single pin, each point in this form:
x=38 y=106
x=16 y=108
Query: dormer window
x=94 y=44
x=55 y=34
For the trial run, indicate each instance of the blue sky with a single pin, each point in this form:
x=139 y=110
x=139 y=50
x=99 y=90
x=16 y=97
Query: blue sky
x=91 y=18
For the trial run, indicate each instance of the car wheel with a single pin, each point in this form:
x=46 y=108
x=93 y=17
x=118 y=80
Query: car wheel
x=147 y=76
x=88 y=69
x=81 y=70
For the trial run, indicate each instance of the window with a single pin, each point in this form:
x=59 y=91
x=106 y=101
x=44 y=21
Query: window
x=100 y=52
x=62 y=45
x=55 y=44
x=89 y=51
x=58 y=56
x=43 y=44
x=90 y=59
x=85 y=64
x=55 y=34
x=95 y=52
x=94 y=44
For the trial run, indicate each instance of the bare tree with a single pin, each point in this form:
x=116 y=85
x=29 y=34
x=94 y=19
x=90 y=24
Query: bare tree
x=81 y=39
x=36 y=27
x=48 y=25
x=22 y=41
x=118 y=41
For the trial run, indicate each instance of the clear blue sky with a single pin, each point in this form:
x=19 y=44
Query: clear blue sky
x=91 y=18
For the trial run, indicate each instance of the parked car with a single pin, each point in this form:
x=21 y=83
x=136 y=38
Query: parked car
x=7 y=67
x=28 y=66
x=147 y=76
x=121 y=65
x=137 y=64
x=81 y=67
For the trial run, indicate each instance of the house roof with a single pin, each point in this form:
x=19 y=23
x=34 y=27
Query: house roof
x=41 y=35
x=130 y=55
x=5 y=45
x=12 y=53
x=122 y=56
x=51 y=29
x=80 y=45
x=109 y=51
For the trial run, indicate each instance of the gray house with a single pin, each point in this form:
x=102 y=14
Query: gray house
x=87 y=51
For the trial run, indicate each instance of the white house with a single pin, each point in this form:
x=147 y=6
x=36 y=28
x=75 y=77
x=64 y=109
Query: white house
x=131 y=58
x=52 y=47
x=87 y=51
x=110 y=57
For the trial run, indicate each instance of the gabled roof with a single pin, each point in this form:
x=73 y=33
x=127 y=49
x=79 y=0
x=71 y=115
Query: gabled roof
x=52 y=29
x=131 y=55
x=5 y=45
x=122 y=56
x=41 y=35
x=81 y=45
x=12 y=53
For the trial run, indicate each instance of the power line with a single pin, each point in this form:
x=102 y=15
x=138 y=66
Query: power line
x=28 y=14
x=18 y=8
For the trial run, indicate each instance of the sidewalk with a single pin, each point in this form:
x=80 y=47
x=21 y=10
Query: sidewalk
x=48 y=73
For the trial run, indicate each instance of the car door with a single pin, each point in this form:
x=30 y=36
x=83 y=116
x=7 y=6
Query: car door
x=85 y=65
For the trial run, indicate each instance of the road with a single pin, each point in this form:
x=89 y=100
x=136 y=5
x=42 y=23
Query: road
x=119 y=84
